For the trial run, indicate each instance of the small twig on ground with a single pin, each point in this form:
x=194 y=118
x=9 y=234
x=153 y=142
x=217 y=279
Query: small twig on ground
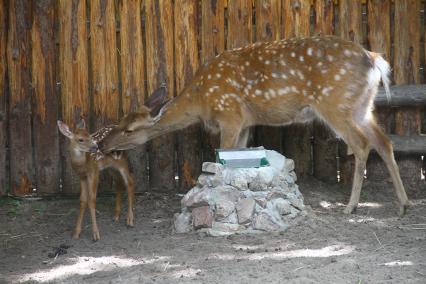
x=424 y=275
x=297 y=269
x=380 y=243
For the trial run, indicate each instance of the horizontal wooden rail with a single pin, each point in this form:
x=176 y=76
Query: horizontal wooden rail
x=402 y=95
x=409 y=144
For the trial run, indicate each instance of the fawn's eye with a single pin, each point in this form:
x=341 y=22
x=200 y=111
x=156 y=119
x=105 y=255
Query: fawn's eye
x=81 y=140
x=128 y=131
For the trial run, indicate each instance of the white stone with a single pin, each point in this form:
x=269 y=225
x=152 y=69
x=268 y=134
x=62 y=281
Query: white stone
x=183 y=222
x=245 y=209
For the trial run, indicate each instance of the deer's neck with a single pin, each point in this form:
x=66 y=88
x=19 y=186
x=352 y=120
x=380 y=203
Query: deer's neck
x=180 y=113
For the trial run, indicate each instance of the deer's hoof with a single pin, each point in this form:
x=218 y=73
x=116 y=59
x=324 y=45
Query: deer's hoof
x=349 y=209
x=96 y=236
x=76 y=235
x=129 y=222
x=116 y=218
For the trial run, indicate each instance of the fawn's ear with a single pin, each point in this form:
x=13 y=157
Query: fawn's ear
x=81 y=124
x=65 y=129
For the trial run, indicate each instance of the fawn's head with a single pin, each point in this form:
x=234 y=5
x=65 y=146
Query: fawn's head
x=80 y=139
x=126 y=134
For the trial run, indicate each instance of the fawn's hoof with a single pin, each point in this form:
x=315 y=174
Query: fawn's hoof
x=116 y=218
x=76 y=235
x=129 y=222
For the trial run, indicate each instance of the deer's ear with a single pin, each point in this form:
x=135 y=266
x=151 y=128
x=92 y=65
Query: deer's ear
x=65 y=129
x=157 y=97
x=158 y=110
x=81 y=124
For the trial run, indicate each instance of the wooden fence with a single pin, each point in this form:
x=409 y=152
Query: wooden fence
x=99 y=59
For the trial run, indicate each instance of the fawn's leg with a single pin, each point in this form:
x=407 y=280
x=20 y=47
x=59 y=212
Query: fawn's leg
x=383 y=146
x=92 y=188
x=83 y=205
x=118 y=196
x=128 y=180
x=243 y=138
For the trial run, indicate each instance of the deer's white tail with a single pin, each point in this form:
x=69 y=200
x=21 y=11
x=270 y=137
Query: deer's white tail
x=381 y=65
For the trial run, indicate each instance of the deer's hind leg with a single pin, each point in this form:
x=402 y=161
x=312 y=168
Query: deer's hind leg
x=353 y=136
x=382 y=144
x=128 y=181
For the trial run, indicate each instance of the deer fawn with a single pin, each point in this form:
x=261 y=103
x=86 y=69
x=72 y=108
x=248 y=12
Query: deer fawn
x=87 y=166
x=279 y=83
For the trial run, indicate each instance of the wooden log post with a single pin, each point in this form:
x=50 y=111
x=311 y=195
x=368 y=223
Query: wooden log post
x=406 y=71
x=187 y=62
x=350 y=19
x=240 y=24
x=105 y=93
x=268 y=28
x=379 y=41
x=4 y=177
x=325 y=142
x=133 y=80
x=73 y=72
x=19 y=67
x=297 y=138
x=45 y=108
x=160 y=67
x=212 y=44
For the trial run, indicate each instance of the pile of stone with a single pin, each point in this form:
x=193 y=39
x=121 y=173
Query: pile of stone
x=240 y=200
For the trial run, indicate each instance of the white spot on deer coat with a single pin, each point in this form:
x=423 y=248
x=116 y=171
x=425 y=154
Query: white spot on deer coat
x=309 y=51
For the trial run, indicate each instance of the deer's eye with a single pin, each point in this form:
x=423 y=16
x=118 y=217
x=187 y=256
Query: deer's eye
x=128 y=131
x=81 y=140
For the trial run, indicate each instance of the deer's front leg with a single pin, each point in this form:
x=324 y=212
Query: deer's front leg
x=83 y=205
x=230 y=133
x=92 y=188
x=128 y=180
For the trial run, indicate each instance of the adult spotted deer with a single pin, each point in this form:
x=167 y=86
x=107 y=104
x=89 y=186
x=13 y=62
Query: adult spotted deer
x=87 y=166
x=279 y=83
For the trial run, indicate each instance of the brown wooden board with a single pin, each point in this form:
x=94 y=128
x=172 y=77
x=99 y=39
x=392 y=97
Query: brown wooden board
x=19 y=67
x=379 y=41
x=268 y=28
x=212 y=44
x=187 y=62
x=45 y=102
x=325 y=142
x=104 y=67
x=324 y=14
x=239 y=24
x=406 y=71
x=4 y=177
x=133 y=80
x=297 y=138
x=73 y=72
x=160 y=67
x=350 y=26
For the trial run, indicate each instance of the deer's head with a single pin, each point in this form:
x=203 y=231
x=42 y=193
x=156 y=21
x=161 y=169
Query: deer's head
x=131 y=131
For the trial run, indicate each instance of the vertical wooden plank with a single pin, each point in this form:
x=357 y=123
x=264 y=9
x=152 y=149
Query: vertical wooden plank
x=104 y=67
x=45 y=113
x=325 y=142
x=350 y=17
x=4 y=178
x=379 y=41
x=73 y=72
x=268 y=28
x=212 y=44
x=19 y=66
x=350 y=20
x=160 y=68
x=104 y=62
x=296 y=18
x=189 y=151
x=133 y=80
x=3 y=97
x=239 y=23
x=297 y=138
x=324 y=13
x=406 y=71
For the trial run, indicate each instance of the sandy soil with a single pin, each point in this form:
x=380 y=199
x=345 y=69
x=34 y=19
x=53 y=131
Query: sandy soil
x=372 y=246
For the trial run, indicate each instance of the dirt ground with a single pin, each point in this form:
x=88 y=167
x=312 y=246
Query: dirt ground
x=372 y=246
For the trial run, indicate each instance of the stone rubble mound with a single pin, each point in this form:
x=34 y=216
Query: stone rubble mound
x=242 y=200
